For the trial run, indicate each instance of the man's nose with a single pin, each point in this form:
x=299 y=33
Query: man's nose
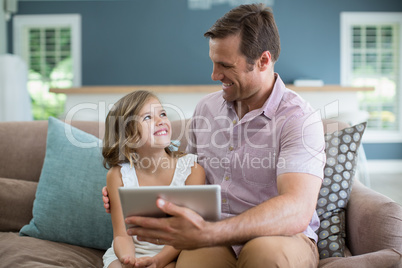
x=216 y=74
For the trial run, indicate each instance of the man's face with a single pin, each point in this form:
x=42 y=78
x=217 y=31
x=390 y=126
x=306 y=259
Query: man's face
x=240 y=80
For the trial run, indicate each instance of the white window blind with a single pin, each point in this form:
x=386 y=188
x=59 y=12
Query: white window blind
x=50 y=45
x=50 y=55
x=371 y=56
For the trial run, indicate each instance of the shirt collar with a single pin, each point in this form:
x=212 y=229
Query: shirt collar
x=270 y=106
x=272 y=103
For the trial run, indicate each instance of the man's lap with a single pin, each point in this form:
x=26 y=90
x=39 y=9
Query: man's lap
x=267 y=251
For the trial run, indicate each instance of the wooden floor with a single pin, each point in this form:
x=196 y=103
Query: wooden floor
x=388 y=184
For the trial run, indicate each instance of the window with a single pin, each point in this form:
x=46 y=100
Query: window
x=50 y=45
x=371 y=56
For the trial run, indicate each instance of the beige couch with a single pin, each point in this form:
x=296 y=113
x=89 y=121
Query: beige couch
x=373 y=221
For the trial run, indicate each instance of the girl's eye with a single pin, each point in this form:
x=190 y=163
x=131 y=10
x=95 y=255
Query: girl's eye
x=163 y=114
x=147 y=117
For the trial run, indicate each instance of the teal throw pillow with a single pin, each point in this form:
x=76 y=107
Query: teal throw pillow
x=68 y=206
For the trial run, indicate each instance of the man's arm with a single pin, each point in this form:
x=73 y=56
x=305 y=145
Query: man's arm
x=287 y=214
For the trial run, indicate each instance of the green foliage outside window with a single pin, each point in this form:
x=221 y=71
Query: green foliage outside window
x=45 y=103
x=374 y=64
x=50 y=66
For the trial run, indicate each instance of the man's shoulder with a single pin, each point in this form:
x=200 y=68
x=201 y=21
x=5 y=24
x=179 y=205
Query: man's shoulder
x=293 y=103
x=214 y=96
x=211 y=100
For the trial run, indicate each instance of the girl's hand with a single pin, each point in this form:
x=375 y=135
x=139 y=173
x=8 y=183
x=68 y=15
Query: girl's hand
x=128 y=261
x=146 y=262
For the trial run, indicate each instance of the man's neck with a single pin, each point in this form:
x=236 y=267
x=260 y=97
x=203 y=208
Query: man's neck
x=256 y=101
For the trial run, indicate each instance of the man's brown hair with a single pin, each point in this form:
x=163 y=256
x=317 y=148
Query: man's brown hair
x=257 y=28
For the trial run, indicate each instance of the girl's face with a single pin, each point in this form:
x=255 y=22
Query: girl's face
x=154 y=125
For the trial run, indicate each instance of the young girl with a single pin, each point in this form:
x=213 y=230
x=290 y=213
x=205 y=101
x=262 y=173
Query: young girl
x=136 y=152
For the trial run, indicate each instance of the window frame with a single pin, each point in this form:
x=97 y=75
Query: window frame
x=20 y=22
x=347 y=19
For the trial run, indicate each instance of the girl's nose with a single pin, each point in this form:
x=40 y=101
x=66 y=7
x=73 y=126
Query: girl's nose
x=159 y=121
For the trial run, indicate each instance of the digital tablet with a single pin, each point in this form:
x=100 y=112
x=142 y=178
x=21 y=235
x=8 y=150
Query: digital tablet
x=141 y=201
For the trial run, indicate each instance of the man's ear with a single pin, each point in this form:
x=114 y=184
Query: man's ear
x=265 y=60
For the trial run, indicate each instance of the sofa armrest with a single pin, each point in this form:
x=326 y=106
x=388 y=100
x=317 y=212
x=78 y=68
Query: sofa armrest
x=373 y=221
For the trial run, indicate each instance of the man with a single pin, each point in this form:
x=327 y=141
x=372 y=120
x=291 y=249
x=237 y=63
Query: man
x=263 y=144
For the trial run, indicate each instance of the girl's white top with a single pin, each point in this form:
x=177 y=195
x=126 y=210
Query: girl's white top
x=129 y=177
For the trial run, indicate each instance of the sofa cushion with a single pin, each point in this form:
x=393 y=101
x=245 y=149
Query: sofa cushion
x=24 y=251
x=380 y=259
x=22 y=149
x=68 y=206
x=16 y=199
x=25 y=142
x=341 y=152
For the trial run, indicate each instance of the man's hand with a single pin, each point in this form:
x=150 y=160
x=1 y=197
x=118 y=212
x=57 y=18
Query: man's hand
x=105 y=198
x=184 y=230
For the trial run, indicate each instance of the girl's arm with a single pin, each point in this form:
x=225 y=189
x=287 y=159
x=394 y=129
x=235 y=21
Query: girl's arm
x=123 y=244
x=169 y=253
x=197 y=175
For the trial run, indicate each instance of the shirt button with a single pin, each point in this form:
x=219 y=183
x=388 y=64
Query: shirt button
x=234 y=122
x=227 y=178
x=231 y=148
x=224 y=200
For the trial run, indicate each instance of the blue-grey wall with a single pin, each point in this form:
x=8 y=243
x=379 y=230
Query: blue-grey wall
x=137 y=42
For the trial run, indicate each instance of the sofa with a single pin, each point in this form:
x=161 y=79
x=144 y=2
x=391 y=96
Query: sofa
x=373 y=221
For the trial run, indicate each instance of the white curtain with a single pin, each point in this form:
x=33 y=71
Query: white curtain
x=15 y=103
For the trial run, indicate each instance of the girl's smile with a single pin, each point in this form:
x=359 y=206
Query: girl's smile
x=161 y=132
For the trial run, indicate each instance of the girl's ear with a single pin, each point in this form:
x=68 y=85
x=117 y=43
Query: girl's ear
x=265 y=60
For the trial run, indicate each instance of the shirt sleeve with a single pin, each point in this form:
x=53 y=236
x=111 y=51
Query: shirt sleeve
x=302 y=146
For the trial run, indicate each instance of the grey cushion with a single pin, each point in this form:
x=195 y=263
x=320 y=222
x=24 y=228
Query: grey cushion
x=341 y=151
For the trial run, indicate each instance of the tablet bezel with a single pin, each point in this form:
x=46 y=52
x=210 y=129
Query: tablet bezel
x=141 y=201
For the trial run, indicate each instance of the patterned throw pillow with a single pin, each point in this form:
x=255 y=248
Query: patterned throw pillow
x=341 y=151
